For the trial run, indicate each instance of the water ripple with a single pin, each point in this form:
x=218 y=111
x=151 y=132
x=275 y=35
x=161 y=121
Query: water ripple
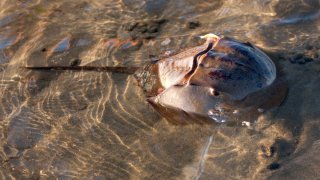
x=71 y=125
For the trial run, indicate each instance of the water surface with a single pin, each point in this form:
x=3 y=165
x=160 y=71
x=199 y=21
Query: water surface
x=98 y=125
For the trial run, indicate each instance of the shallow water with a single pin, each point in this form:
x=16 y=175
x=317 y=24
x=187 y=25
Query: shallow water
x=97 y=125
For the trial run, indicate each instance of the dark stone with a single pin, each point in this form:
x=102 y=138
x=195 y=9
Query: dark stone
x=194 y=24
x=273 y=166
x=216 y=93
x=307 y=59
x=308 y=47
x=43 y=49
x=153 y=58
x=300 y=59
x=130 y=26
x=298 y=56
x=153 y=29
x=149 y=36
x=141 y=28
x=292 y=61
x=160 y=21
x=75 y=62
x=82 y=107
x=304 y=60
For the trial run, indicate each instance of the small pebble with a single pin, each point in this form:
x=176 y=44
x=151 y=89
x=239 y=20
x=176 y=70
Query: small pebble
x=246 y=123
x=308 y=47
x=130 y=26
x=75 y=62
x=216 y=93
x=298 y=56
x=82 y=42
x=194 y=24
x=153 y=29
x=63 y=45
x=273 y=166
x=166 y=42
x=300 y=59
x=153 y=58
x=236 y=111
x=149 y=36
x=168 y=53
x=307 y=59
x=16 y=78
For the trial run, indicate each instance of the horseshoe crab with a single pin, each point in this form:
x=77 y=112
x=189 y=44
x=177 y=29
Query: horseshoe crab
x=222 y=80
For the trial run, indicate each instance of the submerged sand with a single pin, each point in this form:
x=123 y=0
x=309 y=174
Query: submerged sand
x=97 y=125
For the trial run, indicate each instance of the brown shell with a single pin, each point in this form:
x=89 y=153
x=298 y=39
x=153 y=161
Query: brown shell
x=235 y=68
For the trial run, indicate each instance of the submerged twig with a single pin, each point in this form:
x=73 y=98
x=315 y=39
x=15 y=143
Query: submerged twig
x=203 y=157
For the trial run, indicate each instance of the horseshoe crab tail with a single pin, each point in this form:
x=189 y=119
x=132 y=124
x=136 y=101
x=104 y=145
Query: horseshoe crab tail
x=116 y=69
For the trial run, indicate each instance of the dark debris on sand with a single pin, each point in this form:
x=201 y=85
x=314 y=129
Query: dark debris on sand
x=273 y=166
x=300 y=58
x=144 y=29
x=310 y=54
x=75 y=62
x=193 y=24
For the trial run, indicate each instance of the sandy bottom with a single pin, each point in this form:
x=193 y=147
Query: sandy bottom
x=98 y=125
